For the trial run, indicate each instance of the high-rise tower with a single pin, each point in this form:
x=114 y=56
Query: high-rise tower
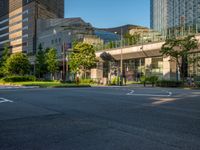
x=18 y=22
x=167 y=14
x=159 y=17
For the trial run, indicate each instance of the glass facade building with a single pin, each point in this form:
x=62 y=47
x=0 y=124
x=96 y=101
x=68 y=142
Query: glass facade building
x=166 y=14
x=159 y=15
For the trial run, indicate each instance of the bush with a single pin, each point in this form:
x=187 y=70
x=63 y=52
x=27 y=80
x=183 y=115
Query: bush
x=197 y=84
x=169 y=83
x=19 y=78
x=153 y=80
x=115 y=80
x=144 y=80
x=86 y=81
x=17 y=64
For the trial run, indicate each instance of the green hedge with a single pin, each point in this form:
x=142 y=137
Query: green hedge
x=169 y=83
x=86 y=81
x=197 y=84
x=149 y=80
x=19 y=78
x=115 y=80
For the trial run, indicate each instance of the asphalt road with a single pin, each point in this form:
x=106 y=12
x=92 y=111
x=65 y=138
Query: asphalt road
x=127 y=118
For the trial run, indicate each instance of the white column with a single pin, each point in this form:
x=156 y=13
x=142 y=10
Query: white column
x=148 y=62
x=166 y=68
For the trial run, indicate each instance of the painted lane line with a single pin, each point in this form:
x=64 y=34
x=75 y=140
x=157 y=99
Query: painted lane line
x=18 y=87
x=3 y=100
x=154 y=95
x=132 y=93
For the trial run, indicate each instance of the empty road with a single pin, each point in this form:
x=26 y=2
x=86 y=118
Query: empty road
x=100 y=118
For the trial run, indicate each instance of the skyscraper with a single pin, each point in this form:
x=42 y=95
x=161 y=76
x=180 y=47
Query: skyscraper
x=18 y=22
x=167 y=14
x=159 y=17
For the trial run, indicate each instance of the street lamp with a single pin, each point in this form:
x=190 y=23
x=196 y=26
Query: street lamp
x=65 y=47
x=64 y=62
x=121 y=57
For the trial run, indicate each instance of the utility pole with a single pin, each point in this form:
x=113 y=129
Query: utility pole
x=64 y=62
x=121 y=59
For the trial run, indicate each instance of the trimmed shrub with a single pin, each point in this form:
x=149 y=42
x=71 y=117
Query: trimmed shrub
x=169 y=83
x=153 y=80
x=144 y=80
x=86 y=81
x=197 y=84
x=19 y=78
x=115 y=80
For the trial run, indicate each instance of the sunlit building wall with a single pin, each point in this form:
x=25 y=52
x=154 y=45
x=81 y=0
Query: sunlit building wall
x=18 y=22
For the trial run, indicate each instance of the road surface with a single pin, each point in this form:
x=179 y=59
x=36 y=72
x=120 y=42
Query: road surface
x=100 y=118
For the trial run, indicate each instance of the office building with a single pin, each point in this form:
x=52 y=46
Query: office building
x=54 y=33
x=18 y=22
x=168 y=14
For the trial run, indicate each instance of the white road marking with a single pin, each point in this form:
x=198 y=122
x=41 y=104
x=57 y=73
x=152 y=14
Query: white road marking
x=18 y=87
x=132 y=93
x=3 y=100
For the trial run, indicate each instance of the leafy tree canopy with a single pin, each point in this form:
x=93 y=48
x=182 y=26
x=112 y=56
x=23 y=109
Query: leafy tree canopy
x=83 y=57
x=52 y=60
x=40 y=63
x=132 y=38
x=5 y=55
x=17 y=64
x=179 y=49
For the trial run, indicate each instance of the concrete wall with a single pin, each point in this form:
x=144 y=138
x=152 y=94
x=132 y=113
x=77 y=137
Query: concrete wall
x=147 y=51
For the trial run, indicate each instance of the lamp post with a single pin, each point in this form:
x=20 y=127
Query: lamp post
x=121 y=56
x=121 y=59
x=142 y=49
x=65 y=48
x=64 y=62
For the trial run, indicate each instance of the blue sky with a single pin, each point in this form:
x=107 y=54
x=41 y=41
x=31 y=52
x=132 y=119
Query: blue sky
x=110 y=13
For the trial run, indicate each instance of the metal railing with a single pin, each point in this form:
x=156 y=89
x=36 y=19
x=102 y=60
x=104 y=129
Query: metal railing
x=151 y=37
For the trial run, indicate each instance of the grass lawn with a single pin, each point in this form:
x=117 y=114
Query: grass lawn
x=43 y=84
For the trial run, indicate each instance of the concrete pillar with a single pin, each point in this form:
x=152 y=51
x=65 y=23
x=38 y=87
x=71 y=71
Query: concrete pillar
x=166 y=68
x=96 y=74
x=148 y=64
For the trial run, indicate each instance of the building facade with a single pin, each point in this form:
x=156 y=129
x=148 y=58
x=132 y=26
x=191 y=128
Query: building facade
x=166 y=14
x=18 y=22
x=139 y=60
x=54 y=33
x=159 y=10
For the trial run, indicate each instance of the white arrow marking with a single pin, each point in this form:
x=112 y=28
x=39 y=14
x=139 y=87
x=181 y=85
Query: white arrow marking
x=169 y=94
x=3 y=100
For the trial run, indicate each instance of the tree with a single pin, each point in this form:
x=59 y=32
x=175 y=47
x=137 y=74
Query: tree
x=52 y=62
x=179 y=50
x=132 y=38
x=17 y=64
x=5 y=55
x=83 y=58
x=112 y=44
x=40 y=63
